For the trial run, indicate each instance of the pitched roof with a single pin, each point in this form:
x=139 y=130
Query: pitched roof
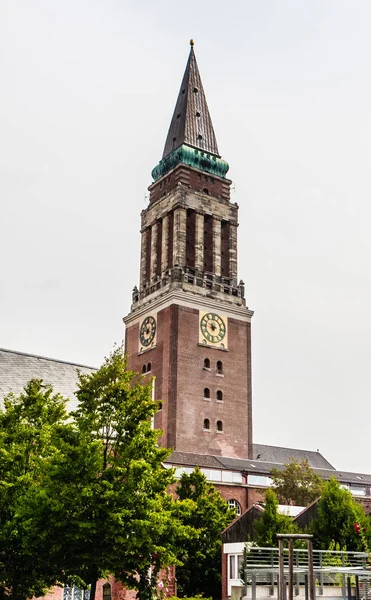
x=191 y=122
x=260 y=467
x=276 y=454
x=17 y=368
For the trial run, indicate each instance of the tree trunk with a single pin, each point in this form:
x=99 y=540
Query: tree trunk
x=93 y=587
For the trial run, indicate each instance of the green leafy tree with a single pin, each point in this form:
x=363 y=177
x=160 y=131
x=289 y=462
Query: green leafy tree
x=123 y=522
x=85 y=497
x=297 y=483
x=32 y=429
x=202 y=508
x=339 y=517
x=271 y=522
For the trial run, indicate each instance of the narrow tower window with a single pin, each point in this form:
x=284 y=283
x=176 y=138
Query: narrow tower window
x=206 y=393
x=144 y=369
x=107 y=591
x=219 y=426
x=170 y=241
x=159 y=248
x=225 y=243
x=191 y=238
x=206 y=424
x=207 y=364
x=219 y=396
x=149 y=367
x=219 y=367
x=208 y=243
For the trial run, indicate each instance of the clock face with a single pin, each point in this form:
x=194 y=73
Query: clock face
x=212 y=328
x=147 y=331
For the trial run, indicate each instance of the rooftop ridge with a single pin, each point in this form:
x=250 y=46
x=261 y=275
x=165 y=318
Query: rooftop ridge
x=57 y=360
x=287 y=448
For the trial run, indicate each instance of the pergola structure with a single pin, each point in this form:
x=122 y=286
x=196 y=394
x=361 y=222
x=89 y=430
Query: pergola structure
x=285 y=572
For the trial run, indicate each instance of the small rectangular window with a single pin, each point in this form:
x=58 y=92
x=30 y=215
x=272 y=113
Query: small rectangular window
x=357 y=490
x=212 y=474
x=232 y=566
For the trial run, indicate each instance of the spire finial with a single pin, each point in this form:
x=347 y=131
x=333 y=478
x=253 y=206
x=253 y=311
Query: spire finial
x=191 y=42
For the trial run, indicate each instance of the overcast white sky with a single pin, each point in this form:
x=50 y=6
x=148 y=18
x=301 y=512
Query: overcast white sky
x=87 y=93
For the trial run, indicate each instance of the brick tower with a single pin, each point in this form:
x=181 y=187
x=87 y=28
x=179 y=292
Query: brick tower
x=189 y=326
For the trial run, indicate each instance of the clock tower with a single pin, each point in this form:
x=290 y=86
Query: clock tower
x=189 y=326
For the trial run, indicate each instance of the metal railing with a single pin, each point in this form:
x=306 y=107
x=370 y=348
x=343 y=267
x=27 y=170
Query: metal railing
x=329 y=560
x=260 y=566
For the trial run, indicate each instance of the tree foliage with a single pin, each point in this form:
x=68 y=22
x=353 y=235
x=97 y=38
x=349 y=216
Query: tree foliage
x=337 y=516
x=86 y=496
x=32 y=431
x=297 y=483
x=271 y=522
x=202 y=508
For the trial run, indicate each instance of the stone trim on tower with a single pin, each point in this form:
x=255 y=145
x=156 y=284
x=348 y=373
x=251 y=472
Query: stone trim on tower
x=179 y=244
x=154 y=232
x=217 y=246
x=165 y=244
x=233 y=252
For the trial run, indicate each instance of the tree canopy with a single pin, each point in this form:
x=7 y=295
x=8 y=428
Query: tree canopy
x=271 y=522
x=202 y=508
x=32 y=431
x=85 y=496
x=297 y=483
x=338 y=515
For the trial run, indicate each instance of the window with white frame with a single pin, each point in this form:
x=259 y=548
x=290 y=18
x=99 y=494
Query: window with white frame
x=235 y=565
x=231 y=477
x=212 y=474
x=232 y=503
x=259 y=480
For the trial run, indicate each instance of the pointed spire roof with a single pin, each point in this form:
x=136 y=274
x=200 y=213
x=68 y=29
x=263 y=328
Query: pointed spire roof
x=191 y=123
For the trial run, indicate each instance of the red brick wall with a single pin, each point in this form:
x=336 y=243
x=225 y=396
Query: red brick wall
x=192 y=409
x=167 y=586
x=192 y=178
x=177 y=363
x=255 y=495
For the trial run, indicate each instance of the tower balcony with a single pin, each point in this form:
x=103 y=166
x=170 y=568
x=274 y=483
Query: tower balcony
x=191 y=280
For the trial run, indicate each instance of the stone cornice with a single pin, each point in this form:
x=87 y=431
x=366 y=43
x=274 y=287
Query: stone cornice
x=177 y=296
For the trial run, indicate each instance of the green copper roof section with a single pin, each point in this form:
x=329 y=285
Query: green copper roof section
x=204 y=161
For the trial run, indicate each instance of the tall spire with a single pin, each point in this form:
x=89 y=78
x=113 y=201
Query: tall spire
x=191 y=139
x=191 y=123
